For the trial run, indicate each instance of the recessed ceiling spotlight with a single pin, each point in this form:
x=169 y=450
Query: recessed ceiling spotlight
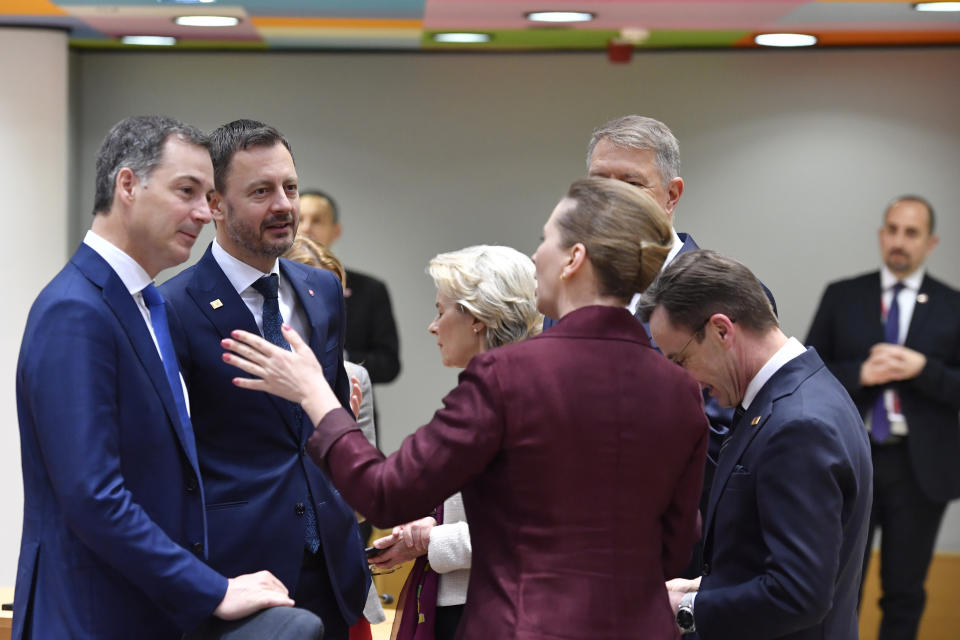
x=149 y=41
x=560 y=16
x=936 y=6
x=207 y=21
x=462 y=38
x=785 y=40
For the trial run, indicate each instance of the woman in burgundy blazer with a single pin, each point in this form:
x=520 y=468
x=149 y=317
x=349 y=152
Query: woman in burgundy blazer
x=579 y=452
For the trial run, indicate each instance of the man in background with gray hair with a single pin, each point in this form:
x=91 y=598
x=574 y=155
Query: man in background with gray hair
x=644 y=152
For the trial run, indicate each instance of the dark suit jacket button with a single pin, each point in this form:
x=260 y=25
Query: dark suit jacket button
x=191 y=485
x=706 y=569
x=299 y=509
x=197 y=548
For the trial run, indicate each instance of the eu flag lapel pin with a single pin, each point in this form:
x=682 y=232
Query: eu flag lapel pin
x=216 y=304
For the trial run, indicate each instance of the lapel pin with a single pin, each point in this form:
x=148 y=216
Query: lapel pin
x=216 y=304
x=922 y=298
x=755 y=421
x=310 y=291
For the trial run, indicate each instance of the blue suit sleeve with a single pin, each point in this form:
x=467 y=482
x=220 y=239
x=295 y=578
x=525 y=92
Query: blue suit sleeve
x=70 y=384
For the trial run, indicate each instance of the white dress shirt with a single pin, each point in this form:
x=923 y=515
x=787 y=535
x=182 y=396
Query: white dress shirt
x=135 y=279
x=242 y=276
x=784 y=354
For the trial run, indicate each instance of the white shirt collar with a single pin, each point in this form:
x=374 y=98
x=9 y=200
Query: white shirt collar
x=133 y=276
x=239 y=273
x=784 y=354
x=674 y=250
x=912 y=281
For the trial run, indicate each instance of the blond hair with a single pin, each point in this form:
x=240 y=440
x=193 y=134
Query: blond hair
x=495 y=285
x=625 y=231
x=308 y=252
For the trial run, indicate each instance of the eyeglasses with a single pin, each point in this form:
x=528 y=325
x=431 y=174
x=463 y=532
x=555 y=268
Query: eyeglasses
x=678 y=358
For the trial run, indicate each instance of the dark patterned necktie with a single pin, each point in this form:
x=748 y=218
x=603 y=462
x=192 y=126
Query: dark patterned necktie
x=269 y=287
x=880 y=423
x=737 y=415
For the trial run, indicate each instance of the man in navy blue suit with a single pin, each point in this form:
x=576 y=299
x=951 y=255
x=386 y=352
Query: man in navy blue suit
x=786 y=522
x=268 y=505
x=114 y=531
x=892 y=337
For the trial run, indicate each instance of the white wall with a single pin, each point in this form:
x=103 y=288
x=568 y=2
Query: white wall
x=789 y=156
x=33 y=166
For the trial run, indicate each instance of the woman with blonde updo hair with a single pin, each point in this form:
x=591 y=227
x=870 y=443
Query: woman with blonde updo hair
x=579 y=452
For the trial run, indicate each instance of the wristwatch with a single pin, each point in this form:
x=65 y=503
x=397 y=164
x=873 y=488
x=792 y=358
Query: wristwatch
x=685 y=613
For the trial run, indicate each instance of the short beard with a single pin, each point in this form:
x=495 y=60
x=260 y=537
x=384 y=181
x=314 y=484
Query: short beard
x=243 y=236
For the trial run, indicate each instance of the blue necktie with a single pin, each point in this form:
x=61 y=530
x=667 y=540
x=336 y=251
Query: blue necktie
x=269 y=287
x=880 y=424
x=158 y=318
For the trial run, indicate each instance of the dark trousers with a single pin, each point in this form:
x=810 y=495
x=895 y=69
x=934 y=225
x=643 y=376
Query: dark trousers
x=908 y=523
x=315 y=593
x=276 y=623
x=447 y=621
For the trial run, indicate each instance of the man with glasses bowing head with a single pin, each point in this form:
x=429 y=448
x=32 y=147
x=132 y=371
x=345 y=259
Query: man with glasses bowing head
x=114 y=538
x=268 y=505
x=786 y=521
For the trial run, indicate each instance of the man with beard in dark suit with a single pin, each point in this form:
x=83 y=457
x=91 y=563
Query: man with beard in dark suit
x=892 y=337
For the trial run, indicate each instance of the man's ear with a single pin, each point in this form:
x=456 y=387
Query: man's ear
x=125 y=185
x=218 y=207
x=674 y=191
x=722 y=324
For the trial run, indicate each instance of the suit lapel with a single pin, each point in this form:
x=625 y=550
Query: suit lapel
x=223 y=307
x=922 y=312
x=871 y=308
x=746 y=430
x=119 y=300
x=306 y=296
x=688 y=243
x=784 y=382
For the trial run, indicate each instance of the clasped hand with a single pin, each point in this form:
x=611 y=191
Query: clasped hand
x=891 y=363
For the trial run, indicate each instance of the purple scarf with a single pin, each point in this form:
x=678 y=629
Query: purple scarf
x=417 y=604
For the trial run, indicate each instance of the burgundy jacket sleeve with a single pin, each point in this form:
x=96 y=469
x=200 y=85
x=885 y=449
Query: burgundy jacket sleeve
x=431 y=464
x=682 y=518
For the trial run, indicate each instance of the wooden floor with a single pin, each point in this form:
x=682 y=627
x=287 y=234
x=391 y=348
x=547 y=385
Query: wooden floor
x=941 y=619
x=6 y=617
x=382 y=631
